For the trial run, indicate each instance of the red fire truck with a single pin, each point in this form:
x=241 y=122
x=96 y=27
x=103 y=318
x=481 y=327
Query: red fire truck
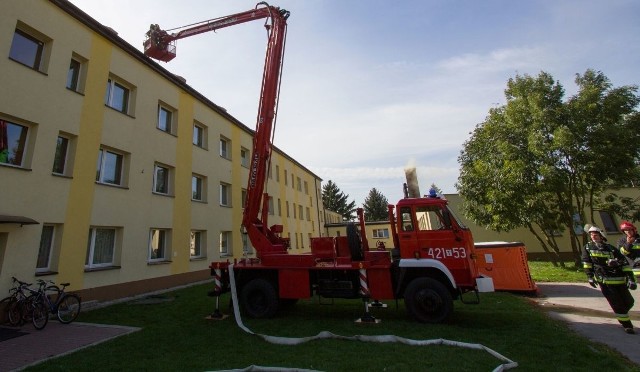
x=432 y=261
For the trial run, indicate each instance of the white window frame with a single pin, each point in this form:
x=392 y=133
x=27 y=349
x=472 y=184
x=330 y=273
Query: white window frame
x=381 y=233
x=24 y=137
x=225 y=194
x=201 y=182
x=225 y=148
x=160 y=243
x=224 y=243
x=36 y=62
x=166 y=119
x=167 y=181
x=121 y=104
x=245 y=154
x=199 y=137
x=46 y=247
x=64 y=158
x=102 y=159
x=247 y=249
x=198 y=244
x=89 y=264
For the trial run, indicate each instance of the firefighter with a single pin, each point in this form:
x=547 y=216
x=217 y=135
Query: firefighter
x=629 y=245
x=606 y=267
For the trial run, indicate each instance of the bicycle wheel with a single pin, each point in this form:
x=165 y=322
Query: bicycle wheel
x=68 y=308
x=15 y=312
x=39 y=314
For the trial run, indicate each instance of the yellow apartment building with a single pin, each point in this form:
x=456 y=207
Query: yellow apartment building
x=116 y=175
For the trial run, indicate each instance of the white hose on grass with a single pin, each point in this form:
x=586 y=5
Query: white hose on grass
x=507 y=363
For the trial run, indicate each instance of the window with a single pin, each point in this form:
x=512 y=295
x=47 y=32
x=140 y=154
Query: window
x=117 y=96
x=73 y=75
x=13 y=143
x=609 y=224
x=244 y=155
x=165 y=119
x=159 y=245
x=271 y=205
x=101 y=247
x=225 y=194
x=306 y=188
x=246 y=245
x=308 y=214
x=161 y=179
x=299 y=183
x=292 y=183
x=46 y=248
x=198 y=187
x=286 y=177
x=198 y=244
x=277 y=173
x=26 y=49
x=225 y=243
x=380 y=233
x=110 y=165
x=295 y=211
x=225 y=146
x=430 y=218
x=60 y=159
x=244 y=198
x=300 y=215
x=279 y=207
x=287 y=205
x=199 y=135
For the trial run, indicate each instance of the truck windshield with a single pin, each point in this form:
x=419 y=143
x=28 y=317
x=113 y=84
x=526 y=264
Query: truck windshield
x=453 y=215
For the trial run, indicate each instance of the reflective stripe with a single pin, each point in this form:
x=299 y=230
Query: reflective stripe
x=623 y=317
x=599 y=254
x=587 y=265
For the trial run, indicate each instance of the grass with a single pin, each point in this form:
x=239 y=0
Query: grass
x=546 y=272
x=175 y=336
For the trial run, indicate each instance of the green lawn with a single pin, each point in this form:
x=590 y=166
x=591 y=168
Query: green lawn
x=175 y=336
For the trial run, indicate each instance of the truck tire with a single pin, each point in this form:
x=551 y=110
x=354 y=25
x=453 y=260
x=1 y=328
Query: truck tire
x=428 y=301
x=355 y=244
x=258 y=299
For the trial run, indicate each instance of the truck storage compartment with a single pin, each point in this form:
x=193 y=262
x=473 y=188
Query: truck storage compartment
x=506 y=263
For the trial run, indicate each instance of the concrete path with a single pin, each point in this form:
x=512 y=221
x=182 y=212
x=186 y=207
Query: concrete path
x=54 y=340
x=587 y=311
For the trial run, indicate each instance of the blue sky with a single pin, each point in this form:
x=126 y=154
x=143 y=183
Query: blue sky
x=371 y=86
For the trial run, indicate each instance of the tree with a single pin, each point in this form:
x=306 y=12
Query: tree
x=375 y=206
x=335 y=200
x=545 y=164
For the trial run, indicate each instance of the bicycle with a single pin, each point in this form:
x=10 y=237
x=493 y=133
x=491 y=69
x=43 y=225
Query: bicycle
x=23 y=306
x=66 y=306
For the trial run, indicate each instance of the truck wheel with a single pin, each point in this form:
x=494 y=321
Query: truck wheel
x=258 y=299
x=355 y=245
x=428 y=301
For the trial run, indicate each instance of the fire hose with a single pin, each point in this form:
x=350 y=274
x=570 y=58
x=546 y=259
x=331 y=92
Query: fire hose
x=507 y=363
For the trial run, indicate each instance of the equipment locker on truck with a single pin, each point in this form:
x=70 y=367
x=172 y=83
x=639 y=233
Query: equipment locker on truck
x=432 y=263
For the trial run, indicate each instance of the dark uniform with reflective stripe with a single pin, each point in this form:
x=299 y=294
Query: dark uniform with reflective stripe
x=609 y=268
x=632 y=252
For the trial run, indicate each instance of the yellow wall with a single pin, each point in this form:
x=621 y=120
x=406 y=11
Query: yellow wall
x=75 y=202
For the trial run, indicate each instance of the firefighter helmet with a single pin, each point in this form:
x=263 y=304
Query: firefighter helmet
x=626 y=225
x=598 y=230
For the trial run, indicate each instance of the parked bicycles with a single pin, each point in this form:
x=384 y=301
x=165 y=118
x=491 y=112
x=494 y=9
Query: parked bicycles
x=22 y=306
x=66 y=306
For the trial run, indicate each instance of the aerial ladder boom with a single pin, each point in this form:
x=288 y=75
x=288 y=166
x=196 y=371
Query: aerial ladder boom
x=161 y=45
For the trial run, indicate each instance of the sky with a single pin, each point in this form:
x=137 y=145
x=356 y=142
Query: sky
x=370 y=87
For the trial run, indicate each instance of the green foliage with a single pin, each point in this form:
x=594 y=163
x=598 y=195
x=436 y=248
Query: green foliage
x=335 y=200
x=537 y=161
x=175 y=336
x=375 y=206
